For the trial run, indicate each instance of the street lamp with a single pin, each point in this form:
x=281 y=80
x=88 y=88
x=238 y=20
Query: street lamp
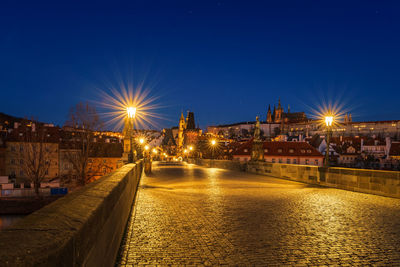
x=213 y=143
x=328 y=123
x=131 y=112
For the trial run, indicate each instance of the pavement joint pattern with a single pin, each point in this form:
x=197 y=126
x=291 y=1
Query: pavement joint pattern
x=195 y=216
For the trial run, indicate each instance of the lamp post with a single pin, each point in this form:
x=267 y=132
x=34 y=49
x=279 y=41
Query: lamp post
x=213 y=143
x=131 y=111
x=328 y=123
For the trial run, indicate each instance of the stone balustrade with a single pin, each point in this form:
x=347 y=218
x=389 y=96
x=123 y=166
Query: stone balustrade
x=84 y=228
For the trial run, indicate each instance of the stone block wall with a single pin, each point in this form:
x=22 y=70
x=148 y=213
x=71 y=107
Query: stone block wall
x=84 y=228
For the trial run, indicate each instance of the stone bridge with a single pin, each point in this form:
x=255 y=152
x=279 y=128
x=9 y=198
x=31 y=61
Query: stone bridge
x=191 y=215
x=186 y=214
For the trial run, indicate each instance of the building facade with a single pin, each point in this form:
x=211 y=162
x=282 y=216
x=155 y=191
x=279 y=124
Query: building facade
x=282 y=152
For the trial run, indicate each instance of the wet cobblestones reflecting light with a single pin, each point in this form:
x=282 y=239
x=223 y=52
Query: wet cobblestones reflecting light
x=189 y=215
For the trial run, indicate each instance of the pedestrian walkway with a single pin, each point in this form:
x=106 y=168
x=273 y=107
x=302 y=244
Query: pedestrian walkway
x=190 y=215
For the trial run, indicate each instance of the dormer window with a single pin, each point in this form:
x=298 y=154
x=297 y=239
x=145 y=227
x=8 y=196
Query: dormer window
x=302 y=151
x=309 y=151
x=245 y=150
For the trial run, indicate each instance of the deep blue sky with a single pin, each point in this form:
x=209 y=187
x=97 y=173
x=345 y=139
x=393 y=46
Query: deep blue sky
x=225 y=60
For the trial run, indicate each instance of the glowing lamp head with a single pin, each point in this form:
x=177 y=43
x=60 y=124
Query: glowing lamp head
x=213 y=142
x=190 y=148
x=328 y=120
x=146 y=147
x=131 y=112
x=141 y=140
x=185 y=151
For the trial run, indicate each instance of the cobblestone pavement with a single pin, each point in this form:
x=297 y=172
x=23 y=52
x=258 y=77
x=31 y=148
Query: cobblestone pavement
x=190 y=215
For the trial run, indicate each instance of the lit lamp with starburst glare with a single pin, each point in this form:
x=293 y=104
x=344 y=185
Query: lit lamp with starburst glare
x=129 y=108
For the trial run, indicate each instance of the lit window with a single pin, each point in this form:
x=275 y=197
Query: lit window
x=279 y=150
x=308 y=150
x=245 y=150
x=302 y=151
x=266 y=150
x=291 y=150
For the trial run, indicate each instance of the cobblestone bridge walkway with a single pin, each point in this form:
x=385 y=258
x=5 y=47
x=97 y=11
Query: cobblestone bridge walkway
x=189 y=215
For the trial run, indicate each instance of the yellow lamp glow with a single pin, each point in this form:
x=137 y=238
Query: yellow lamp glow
x=131 y=112
x=190 y=148
x=185 y=151
x=328 y=121
x=141 y=140
x=154 y=151
x=146 y=147
x=213 y=142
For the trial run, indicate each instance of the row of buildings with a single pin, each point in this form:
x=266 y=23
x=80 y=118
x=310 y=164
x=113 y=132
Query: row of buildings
x=368 y=144
x=294 y=124
x=27 y=145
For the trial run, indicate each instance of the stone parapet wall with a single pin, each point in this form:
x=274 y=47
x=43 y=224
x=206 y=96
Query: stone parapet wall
x=384 y=183
x=84 y=228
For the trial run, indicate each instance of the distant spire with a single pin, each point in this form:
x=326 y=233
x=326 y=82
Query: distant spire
x=279 y=103
x=288 y=108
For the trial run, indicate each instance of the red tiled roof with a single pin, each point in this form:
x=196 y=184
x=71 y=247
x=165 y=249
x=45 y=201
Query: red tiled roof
x=295 y=149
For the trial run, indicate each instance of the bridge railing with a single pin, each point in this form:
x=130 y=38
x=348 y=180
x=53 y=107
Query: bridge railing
x=84 y=228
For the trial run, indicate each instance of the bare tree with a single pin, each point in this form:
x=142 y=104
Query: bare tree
x=79 y=137
x=34 y=151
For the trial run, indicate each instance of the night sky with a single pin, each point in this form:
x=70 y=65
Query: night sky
x=224 y=60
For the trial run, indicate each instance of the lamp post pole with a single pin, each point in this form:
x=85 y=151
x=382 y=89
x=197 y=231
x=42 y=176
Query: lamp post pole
x=328 y=122
x=131 y=141
x=131 y=116
x=328 y=139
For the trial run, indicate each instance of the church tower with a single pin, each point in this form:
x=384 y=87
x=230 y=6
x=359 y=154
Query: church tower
x=279 y=112
x=182 y=127
x=269 y=115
